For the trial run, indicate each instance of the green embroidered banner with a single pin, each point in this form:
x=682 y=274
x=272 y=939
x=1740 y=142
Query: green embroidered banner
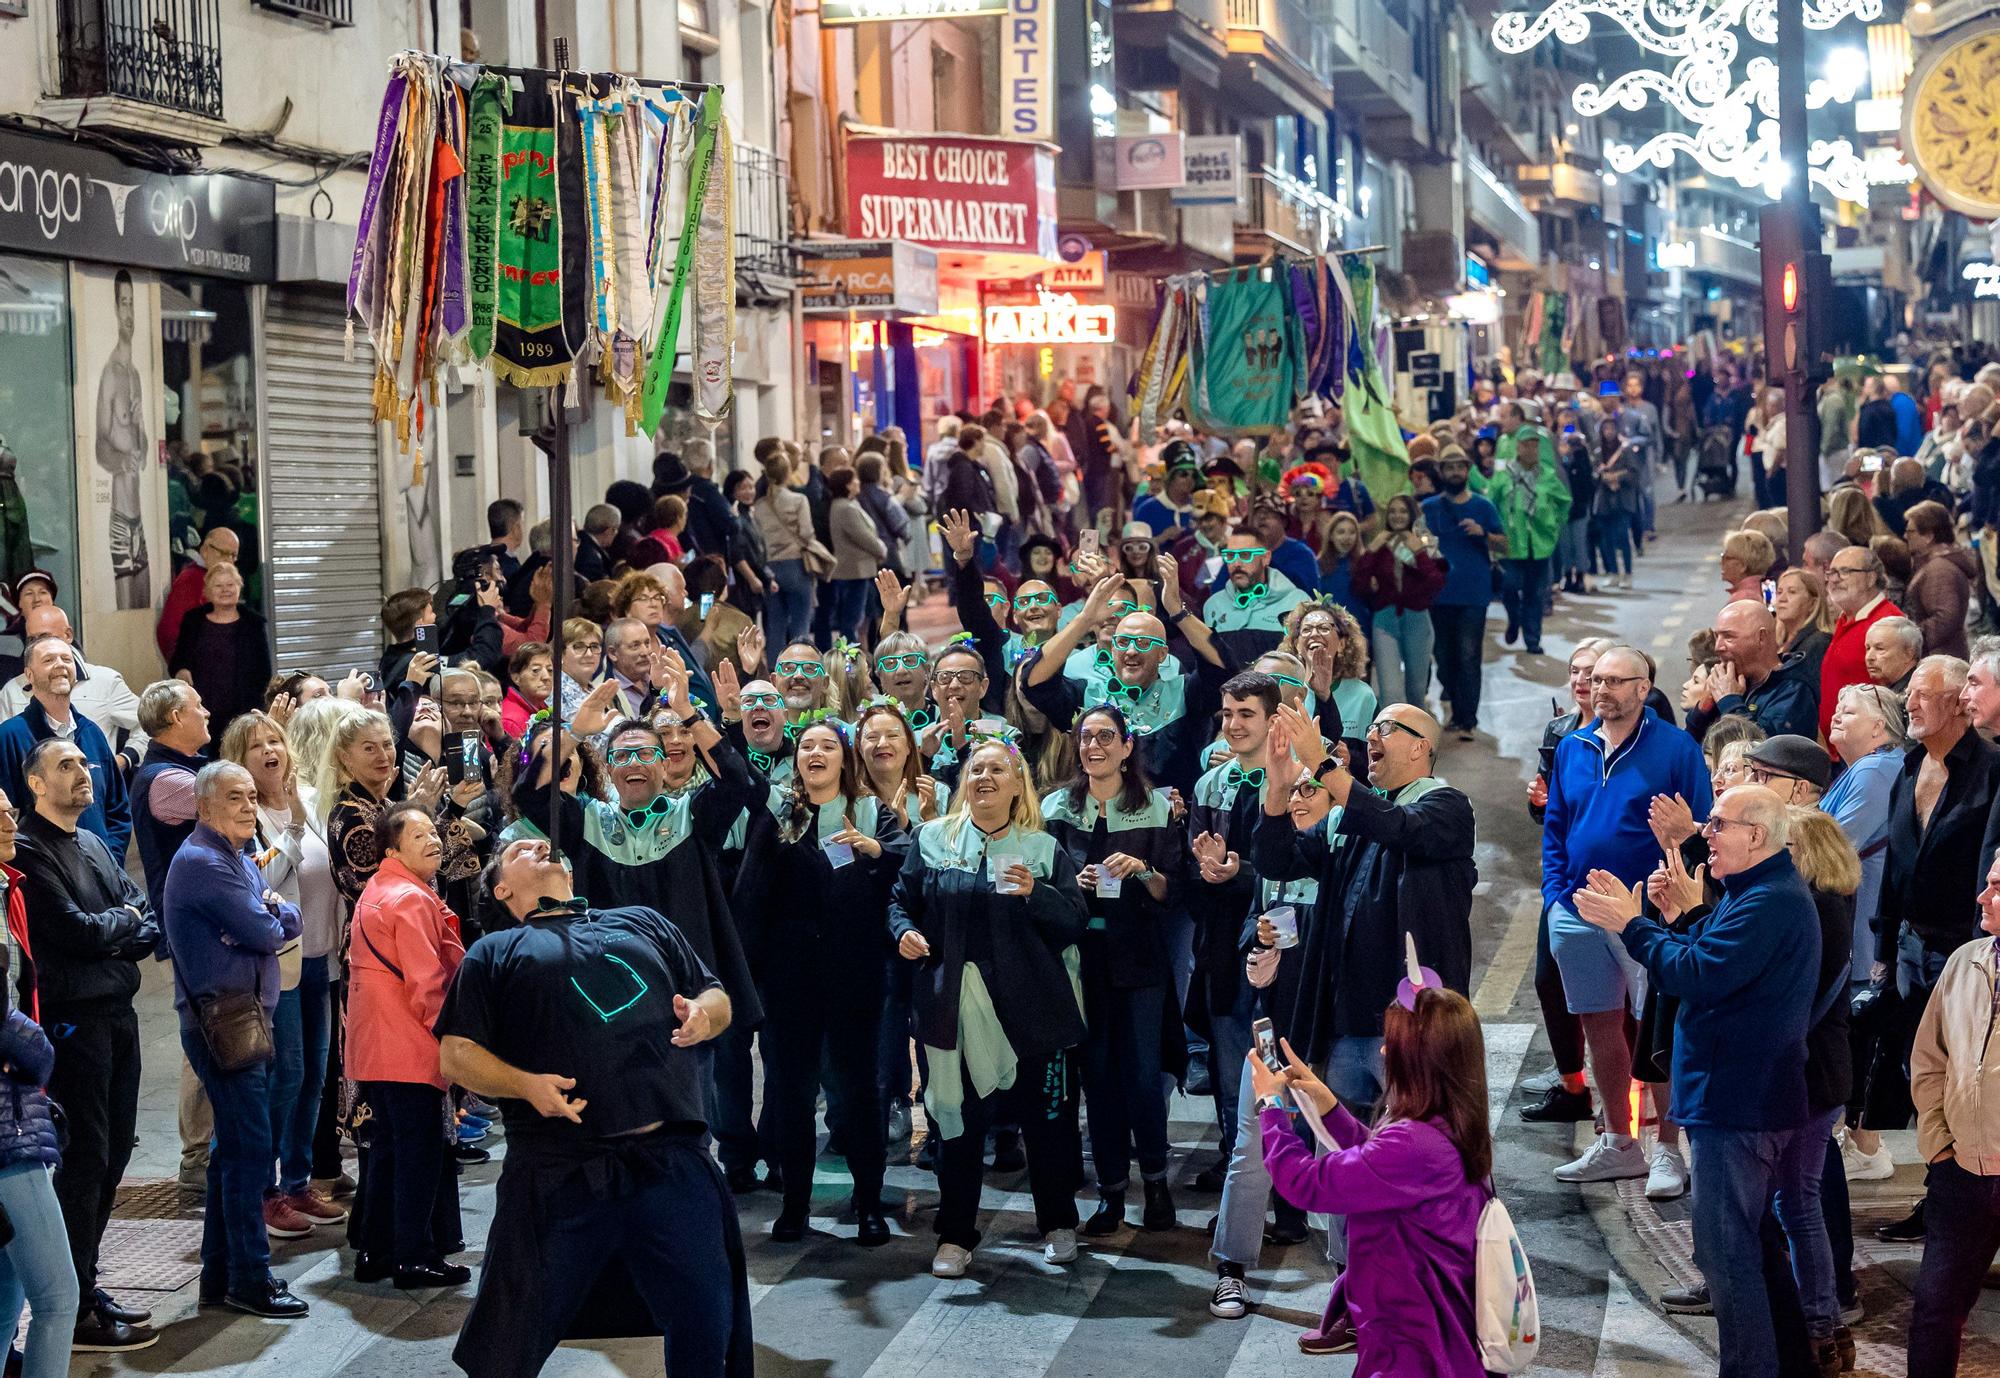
x=486 y=114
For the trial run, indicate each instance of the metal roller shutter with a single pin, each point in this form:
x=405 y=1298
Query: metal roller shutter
x=323 y=507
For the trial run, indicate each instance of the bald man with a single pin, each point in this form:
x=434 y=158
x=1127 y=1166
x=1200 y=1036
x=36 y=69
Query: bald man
x=101 y=693
x=1753 y=679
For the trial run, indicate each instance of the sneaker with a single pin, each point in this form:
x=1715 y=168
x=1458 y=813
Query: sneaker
x=485 y=1109
x=1559 y=1105
x=339 y=1188
x=1542 y=1083
x=98 y=1334
x=1341 y=1339
x=950 y=1261
x=1668 y=1179
x=1853 y=1313
x=899 y=1123
x=316 y=1208
x=1606 y=1160
x=1059 y=1246
x=1228 y=1301
x=1687 y=1301
x=1878 y=1166
x=282 y=1222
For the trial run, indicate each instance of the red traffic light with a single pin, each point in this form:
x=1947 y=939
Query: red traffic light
x=1789 y=290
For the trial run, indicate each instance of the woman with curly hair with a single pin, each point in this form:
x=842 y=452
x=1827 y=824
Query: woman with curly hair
x=1397 y=578
x=1335 y=652
x=811 y=897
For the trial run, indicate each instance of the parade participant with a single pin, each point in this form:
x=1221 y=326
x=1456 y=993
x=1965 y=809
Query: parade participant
x=988 y=904
x=1411 y=1188
x=652 y=848
x=800 y=675
x=887 y=748
x=1247 y=615
x=404 y=951
x=810 y=895
x=578 y=1023
x=1170 y=713
x=1222 y=885
x=1121 y=835
x=760 y=724
x=903 y=670
x=1334 y=650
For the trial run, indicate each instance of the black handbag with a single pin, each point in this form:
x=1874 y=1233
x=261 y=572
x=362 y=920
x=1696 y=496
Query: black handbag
x=237 y=1029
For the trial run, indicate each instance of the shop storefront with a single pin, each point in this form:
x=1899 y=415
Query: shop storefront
x=1078 y=322
x=129 y=392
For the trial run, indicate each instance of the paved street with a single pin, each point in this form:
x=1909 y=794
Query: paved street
x=1138 y=1304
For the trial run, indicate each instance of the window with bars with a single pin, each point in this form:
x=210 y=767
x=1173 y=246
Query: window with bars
x=162 y=52
x=334 y=14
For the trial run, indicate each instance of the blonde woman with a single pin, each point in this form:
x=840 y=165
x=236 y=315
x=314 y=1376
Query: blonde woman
x=1747 y=556
x=988 y=907
x=1334 y=649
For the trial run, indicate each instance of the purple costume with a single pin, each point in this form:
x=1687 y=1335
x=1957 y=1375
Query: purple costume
x=1412 y=1227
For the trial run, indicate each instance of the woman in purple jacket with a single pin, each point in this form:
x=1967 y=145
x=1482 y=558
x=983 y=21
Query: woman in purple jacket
x=1411 y=1188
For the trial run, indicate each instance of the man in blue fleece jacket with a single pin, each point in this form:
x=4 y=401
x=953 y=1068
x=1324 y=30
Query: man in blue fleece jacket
x=1601 y=789
x=1745 y=976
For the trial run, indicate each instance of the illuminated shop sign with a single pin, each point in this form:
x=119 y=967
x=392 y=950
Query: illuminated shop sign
x=1056 y=319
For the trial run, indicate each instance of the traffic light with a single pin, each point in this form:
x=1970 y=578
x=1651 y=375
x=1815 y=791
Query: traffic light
x=1798 y=291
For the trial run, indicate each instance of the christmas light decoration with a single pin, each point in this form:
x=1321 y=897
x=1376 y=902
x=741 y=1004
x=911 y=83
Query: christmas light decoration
x=1734 y=122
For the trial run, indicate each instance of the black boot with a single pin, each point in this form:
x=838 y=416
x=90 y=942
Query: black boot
x=1109 y=1217
x=1159 y=1207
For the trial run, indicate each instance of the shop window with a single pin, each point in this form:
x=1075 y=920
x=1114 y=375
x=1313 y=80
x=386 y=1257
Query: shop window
x=208 y=366
x=37 y=425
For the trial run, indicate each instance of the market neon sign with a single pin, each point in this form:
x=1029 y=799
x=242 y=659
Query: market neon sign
x=1056 y=319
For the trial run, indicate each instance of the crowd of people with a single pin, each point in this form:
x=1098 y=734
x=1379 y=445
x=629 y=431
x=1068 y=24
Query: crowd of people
x=829 y=861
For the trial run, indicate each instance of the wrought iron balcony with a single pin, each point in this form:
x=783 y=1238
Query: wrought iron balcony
x=763 y=219
x=160 y=52
x=334 y=14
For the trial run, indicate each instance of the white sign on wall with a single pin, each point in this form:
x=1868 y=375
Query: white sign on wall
x=1213 y=167
x=1028 y=70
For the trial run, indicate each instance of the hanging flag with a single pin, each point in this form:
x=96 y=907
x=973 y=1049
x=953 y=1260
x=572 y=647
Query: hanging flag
x=1247 y=366
x=660 y=368
x=715 y=289
x=541 y=247
x=486 y=114
x=1374 y=436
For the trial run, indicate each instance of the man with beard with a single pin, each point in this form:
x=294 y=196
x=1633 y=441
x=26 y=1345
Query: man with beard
x=1247 y=614
x=1169 y=712
x=1469 y=534
x=800 y=675
x=634 y=654
x=582 y=1023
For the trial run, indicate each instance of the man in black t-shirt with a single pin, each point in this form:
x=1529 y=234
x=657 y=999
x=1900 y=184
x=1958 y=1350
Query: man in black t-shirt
x=610 y=1217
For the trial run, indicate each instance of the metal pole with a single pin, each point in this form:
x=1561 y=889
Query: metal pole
x=562 y=559
x=1789 y=358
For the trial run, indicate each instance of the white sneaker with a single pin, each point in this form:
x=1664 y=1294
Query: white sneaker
x=950 y=1261
x=1227 y=1300
x=1542 y=1083
x=1668 y=1179
x=1878 y=1166
x=1606 y=1160
x=1059 y=1246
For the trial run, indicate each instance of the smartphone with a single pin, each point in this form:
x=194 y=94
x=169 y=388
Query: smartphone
x=1086 y=541
x=371 y=681
x=707 y=605
x=1770 y=587
x=1871 y=464
x=426 y=639
x=1266 y=1039
x=461 y=757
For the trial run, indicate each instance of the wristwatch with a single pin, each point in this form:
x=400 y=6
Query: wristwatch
x=1329 y=763
x=1177 y=616
x=692 y=720
x=1272 y=1103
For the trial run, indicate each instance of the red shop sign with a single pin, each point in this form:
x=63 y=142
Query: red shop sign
x=953 y=191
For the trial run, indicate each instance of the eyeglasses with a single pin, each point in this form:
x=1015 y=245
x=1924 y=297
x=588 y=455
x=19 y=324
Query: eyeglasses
x=763 y=700
x=1125 y=607
x=593 y=647
x=1244 y=557
x=1613 y=681
x=1764 y=775
x=1716 y=823
x=1132 y=641
x=1382 y=727
x=1834 y=574
x=1306 y=786
x=800 y=669
x=960 y=676
x=996 y=601
x=1100 y=736
x=1035 y=600
x=915 y=660
x=453 y=702
x=636 y=755
x=1287 y=679
x=12 y=815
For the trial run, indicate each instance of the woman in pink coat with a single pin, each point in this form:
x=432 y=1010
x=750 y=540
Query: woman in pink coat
x=1412 y=1187
x=403 y=947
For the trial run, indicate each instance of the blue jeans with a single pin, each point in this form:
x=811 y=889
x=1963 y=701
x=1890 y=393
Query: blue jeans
x=1524 y=592
x=1460 y=630
x=1614 y=539
x=1228 y=1045
x=1573 y=547
x=788 y=612
x=292 y=1136
x=850 y=605
x=1799 y=1211
x=1246 y=1186
x=288 y=1070
x=1402 y=645
x=235 y=1252
x=1735 y=1173
x=35 y=1267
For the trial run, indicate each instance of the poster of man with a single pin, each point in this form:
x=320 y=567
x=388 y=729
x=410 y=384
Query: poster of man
x=122 y=444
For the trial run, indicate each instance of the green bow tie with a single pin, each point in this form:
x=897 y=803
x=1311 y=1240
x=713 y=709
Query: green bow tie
x=920 y=719
x=1114 y=689
x=1251 y=595
x=546 y=908
x=761 y=760
x=1105 y=660
x=1239 y=776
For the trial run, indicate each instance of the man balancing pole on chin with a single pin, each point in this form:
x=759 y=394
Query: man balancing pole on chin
x=610 y=1217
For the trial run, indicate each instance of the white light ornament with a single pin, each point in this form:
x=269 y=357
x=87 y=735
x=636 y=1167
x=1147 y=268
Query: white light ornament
x=1735 y=122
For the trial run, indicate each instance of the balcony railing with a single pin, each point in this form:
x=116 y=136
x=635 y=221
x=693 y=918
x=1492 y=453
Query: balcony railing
x=161 y=52
x=763 y=214
x=334 y=14
x=1285 y=208
x=1288 y=25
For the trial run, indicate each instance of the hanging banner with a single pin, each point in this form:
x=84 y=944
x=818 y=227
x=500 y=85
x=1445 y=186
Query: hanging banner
x=953 y=191
x=1027 y=70
x=1212 y=165
x=1147 y=162
x=832 y=12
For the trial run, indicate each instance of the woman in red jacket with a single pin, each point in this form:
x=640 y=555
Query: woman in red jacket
x=1397 y=578
x=402 y=951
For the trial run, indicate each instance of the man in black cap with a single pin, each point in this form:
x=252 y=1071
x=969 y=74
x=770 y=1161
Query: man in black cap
x=610 y=1217
x=1794 y=768
x=1171 y=509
